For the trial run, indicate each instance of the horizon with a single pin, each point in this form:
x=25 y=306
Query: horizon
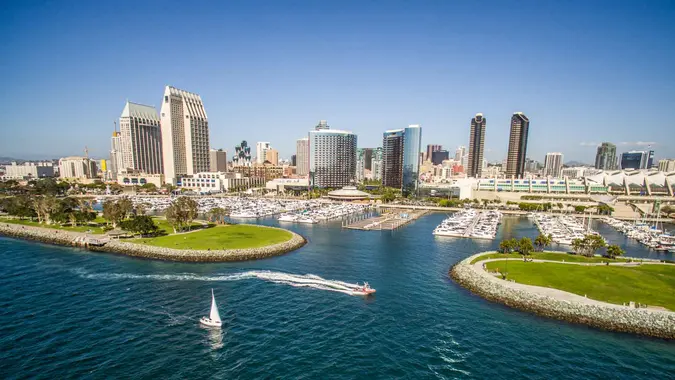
x=269 y=72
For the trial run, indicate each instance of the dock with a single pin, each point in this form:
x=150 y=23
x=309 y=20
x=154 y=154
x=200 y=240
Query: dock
x=385 y=222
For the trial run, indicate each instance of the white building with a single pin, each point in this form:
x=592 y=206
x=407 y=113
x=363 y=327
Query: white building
x=553 y=164
x=283 y=184
x=141 y=139
x=77 y=168
x=667 y=165
x=136 y=178
x=29 y=170
x=116 y=163
x=218 y=182
x=185 y=134
x=261 y=148
x=376 y=164
x=332 y=158
x=218 y=160
x=302 y=157
x=460 y=152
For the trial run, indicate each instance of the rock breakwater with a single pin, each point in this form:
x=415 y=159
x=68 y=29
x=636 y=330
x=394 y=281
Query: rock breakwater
x=59 y=237
x=655 y=323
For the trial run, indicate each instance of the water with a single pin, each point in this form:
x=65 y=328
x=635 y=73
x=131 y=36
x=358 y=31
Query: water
x=67 y=313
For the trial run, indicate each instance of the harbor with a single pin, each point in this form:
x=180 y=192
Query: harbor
x=563 y=229
x=385 y=222
x=653 y=236
x=470 y=223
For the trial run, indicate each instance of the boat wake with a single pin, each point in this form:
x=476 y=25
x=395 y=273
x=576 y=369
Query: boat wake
x=299 y=281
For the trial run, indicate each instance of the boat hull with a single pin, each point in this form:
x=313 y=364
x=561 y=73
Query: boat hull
x=210 y=323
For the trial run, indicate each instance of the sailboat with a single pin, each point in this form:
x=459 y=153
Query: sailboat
x=213 y=320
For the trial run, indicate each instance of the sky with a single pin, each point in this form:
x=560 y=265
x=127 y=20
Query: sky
x=584 y=72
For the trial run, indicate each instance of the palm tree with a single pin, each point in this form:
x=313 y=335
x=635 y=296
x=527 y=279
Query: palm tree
x=543 y=241
x=614 y=250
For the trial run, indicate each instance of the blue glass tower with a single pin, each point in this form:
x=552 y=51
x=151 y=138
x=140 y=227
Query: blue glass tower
x=412 y=146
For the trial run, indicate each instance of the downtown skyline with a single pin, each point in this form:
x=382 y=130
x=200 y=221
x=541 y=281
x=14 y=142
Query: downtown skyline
x=372 y=77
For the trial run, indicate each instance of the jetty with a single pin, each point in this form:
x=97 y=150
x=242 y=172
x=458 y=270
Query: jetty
x=386 y=222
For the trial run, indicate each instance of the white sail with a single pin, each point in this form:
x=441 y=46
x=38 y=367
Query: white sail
x=215 y=316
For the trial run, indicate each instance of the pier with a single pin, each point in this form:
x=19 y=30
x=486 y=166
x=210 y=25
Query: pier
x=385 y=222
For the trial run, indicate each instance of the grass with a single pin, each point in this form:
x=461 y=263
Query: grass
x=163 y=225
x=221 y=237
x=33 y=223
x=652 y=284
x=553 y=256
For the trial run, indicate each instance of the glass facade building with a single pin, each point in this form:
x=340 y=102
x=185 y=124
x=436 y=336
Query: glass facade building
x=412 y=145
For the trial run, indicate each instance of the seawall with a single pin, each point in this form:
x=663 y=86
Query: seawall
x=654 y=323
x=59 y=237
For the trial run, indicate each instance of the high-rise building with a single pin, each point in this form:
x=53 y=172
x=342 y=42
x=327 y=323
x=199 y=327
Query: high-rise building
x=217 y=160
x=77 y=167
x=392 y=158
x=261 y=148
x=476 y=146
x=332 y=158
x=515 y=160
x=460 y=152
x=376 y=164
x=116 y=163
x=430 y=150
x=368 y=158
x=302 y=156
x=242 y=155
x=437 y=157
x=360 y=164
x=141 y=139
x=272 y=156
x=185 y=134
x=667 y=165
x=605 y=158
x=636 y=159
x=294 y=160
x=323 y=124
x=553 y=164
x=412 y=146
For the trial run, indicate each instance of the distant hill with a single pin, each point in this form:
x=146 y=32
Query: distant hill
x=576 y=163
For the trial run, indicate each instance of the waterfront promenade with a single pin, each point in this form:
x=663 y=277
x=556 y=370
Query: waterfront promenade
x=386 y=222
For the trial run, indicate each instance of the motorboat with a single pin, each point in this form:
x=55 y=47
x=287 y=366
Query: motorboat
x=213 y=320
x=364 y=290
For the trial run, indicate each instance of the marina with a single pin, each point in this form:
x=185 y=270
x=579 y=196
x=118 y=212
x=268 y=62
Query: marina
x=385 y=222
x=652 y=236
x=470 y=223
x=322 y=211
x=563 y=229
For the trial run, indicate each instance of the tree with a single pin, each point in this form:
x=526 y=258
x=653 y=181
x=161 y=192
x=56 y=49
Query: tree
x=112 y=212
x=149 y=188
x=140 y=208
x=218 y=214
x=578 y=246
x=613 y=251
x=525 y=246
x=140 y=224
x=508 y=246
x=181 y=213
x=589 y=245
x=126 y=206
x=579 y=209
x=543 y=241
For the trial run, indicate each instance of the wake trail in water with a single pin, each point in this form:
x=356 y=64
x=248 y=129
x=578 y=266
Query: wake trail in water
x=295 y=280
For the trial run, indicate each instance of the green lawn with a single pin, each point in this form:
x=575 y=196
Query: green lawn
x=28 y=222
x=166 y=227
x=653 y=285
x=553 y=256
x=221 y=237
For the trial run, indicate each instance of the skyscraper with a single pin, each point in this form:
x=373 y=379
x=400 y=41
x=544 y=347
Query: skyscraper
x=218 y=160
x=368 y=158
x=430 y=150
x=242 y=154
x=439 y=156
x=116 y=164
x=412 y=146
x=605 y=158
x=553 y=164
x=392 y=158
x=261 y=148
x=332 y=158
x=272 y=156
x=302 y=156
x=376 y=164
x=515 y=160
x=185 y=134
x=360 y=164
x=637 y=159
x=460 y=152
x=141 y=139
x=476 y=146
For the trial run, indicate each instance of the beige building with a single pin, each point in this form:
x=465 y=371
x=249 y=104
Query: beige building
x=302 y=157
x=136 y=178
x=266 y=171
x=667 y=165
x=29 y=170
x=77 y=168
x=185 y=134
x=476 y=146
x=218 y=160
x=272 y=155
x=140 y=139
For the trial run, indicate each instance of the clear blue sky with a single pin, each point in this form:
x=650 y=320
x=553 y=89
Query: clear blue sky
x=583 y=71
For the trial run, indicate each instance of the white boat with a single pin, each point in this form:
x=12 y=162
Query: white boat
x=213 y=320
x=364 y=290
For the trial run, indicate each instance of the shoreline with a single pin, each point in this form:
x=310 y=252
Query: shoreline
x=68 y=238
x=529 y=298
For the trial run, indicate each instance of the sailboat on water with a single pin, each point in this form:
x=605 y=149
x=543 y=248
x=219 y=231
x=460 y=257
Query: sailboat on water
x=213 y=320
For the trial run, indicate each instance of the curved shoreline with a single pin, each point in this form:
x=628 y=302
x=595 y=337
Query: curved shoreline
x=67 y=238
x=602 y=315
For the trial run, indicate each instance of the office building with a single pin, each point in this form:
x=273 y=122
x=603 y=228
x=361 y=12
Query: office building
x=302 y=156
x=77 y=168
x=294 y=160
x=368 y=158
x=437 y=157
x=261 y=148
x=412 y=146
x=430 y=150
x=242 y=155
x=29 y=170
x=116 y=163
x=605 y=157
x=460 y=153
x=185 y=134
x=217 y=160
x=636 y=159
x=332 y=157
x=553 y=164
x=376 y=164
x=141 y=139
x=392 y=158
x=360 y=165
x=267 y=171
x=515 y=160
x=667 y=165
x=272 y=156
x=476 y=146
